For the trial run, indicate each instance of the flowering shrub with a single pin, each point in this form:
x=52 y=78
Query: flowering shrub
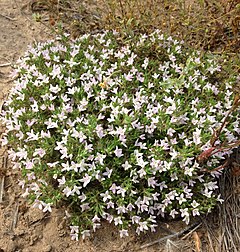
x=112 y=128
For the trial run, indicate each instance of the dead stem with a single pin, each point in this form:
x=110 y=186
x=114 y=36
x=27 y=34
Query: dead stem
x=9 y=18
x=2 y=180
x=15 y=217
x=175 y=235
x=228 y=214
x=5 y=64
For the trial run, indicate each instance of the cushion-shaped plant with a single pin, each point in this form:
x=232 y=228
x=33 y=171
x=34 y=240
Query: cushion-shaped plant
x=112 y=128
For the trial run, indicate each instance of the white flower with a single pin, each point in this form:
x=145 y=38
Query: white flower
x=54 y=89
x=123 y=232
x=38 y=204
x=85 y=233
x=50 y=124
x=195 y=204
x=118 y=221
x=4 y=141
x=126 y=165
x=173 y=213
x=197 y=136
x=56 y=71
x=47 y=207
x=32 y=136
x=121 y=191
x=181 y=199
x=62 y=181
x=84 y=206
x=67 y=191
x=105 y=196
x=195 y=212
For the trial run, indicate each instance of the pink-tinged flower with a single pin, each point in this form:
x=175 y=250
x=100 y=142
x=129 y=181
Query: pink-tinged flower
x=95 y=226
x=37 y=204
x=85 y=180
x=152 y=182
x=56 y=71
x=96 y=218
x=114 y=188
x=121 y=209
x=74 y=233
x=67 y=191
x=21 y=154
x=140 y=77
x=31 y=176
x=136 y=219
x=188 y=171
x=128 y=77
x=74 y=229
x=118 y=152
x=39 y=152
x=82 y=197
x=26 y=193
x=99 y=131
x=84 y=207
x=123 y=232
x=29 y=165
x=142 y=226
x=173 y=213
x=145 y=63
x=118 y=221
x=195 y=212
x=62 y=181
x=121 y=191
x=184 y=212
x=108 y=172
x=52 y=164
x=110 y=204
x=30 y=122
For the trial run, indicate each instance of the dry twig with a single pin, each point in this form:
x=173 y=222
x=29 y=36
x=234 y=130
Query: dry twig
x=229 y=221
x=5 y=64
x=197 y=241
x=15 y=217
x=9 y=18
x=176 y=235
x=2 y=180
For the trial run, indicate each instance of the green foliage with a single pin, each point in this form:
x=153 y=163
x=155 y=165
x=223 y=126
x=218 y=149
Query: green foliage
x=112 y=127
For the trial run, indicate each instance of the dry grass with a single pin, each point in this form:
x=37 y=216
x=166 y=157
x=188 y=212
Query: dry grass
x=206 y=24
x=229 y=212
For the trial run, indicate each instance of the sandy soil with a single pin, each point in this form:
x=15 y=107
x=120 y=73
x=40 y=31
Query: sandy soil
x=23 y=228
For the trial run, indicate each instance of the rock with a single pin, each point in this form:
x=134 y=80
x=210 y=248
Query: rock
x=12 y=246
x=47 y=248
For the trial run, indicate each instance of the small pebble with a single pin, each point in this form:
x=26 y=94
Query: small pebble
x=47 y=248
x=12 y=246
